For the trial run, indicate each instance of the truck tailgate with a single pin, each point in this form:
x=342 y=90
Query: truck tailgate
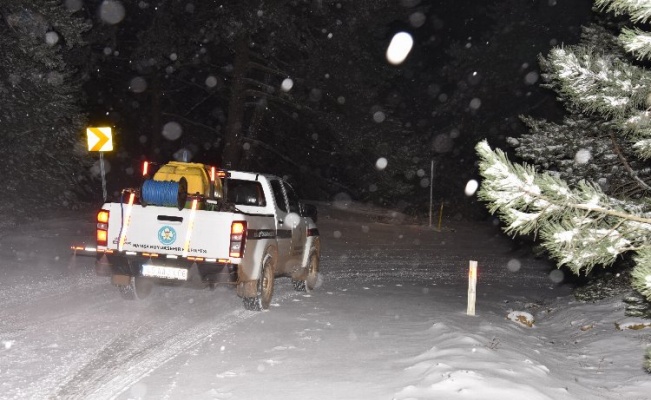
x=166 y=230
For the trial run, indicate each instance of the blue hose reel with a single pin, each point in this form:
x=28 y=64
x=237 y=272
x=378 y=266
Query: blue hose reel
x=164 y=193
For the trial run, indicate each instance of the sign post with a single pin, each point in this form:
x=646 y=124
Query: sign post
x=103 y=173
x=100 y=139
x=431 y=191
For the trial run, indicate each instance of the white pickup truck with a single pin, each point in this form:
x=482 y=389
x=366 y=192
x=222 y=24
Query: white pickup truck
x=194 y=224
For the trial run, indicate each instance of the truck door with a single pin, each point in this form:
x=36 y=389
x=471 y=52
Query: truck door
x=290 y=226
x=298 y=224
x=283 y=231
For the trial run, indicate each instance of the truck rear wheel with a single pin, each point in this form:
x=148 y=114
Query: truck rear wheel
x=310 y=281
x=138 y=289
x=265 y=288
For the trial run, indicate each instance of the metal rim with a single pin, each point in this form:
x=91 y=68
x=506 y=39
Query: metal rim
x=266 y=286
x=313 y=271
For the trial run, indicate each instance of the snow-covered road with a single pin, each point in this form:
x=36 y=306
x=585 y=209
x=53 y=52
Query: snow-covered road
x=388 y=322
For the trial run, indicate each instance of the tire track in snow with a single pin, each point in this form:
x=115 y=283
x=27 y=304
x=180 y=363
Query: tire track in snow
x=18 y=296
x=123 y=362
x=19 y=310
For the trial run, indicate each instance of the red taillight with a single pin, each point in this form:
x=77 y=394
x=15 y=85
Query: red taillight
x=238 y=228
x=213 y=172
x=103 y=217
x=102 y=227
x=102 y=237
x=238 y=237
x=145 y=168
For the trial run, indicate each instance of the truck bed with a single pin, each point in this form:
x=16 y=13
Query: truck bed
x=167 y=230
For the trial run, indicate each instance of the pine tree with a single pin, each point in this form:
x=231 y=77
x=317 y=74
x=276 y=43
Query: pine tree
x=591 y=221
x=41 y=123
x=585 y=146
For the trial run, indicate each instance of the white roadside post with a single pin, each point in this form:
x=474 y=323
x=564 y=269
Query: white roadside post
x=472 y=288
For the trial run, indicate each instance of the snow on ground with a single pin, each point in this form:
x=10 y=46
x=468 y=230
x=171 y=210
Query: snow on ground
x=388 y=322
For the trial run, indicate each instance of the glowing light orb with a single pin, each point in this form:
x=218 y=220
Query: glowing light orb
x=399 y=48
x=471 y=187
x=381 y=163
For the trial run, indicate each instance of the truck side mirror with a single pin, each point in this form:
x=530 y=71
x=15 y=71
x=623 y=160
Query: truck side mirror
x=309 y=210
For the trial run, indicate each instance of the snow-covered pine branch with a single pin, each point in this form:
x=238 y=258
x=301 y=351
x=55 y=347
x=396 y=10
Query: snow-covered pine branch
x=643 y=148
x=579 y=227
x=598 y=83
x=638 y=10
x=638 y=126
x=636 y=42
x=642 y=273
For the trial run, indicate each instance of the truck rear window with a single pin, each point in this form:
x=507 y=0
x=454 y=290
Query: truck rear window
x=245 y=193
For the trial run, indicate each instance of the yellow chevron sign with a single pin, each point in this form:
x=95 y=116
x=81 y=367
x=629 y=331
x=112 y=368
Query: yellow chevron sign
x=99 y=139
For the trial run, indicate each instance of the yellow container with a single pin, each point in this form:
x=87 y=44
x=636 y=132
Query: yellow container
x=194 y=173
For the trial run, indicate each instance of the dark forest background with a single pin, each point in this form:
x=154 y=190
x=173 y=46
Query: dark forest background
x=296 y=88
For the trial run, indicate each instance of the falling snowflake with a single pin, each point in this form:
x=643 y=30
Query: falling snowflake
x=475 y=104
x=51 y=38
x=399 y=48
x=582 y=156
x=513 y=265
x=471 y=187
x=381 y=163
x=211 y=81
x=138 y=84
x=111 y=11
x=287 y=85
x=172 y=130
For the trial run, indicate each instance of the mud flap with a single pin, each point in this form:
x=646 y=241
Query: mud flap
x=247 y=289
x=300 y=274
x=194 y=277
x=121 y=280
x=102 y=266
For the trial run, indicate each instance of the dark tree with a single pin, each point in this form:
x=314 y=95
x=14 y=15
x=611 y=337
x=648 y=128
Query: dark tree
x=276 y=87
x=41 y=122
x=492 y=77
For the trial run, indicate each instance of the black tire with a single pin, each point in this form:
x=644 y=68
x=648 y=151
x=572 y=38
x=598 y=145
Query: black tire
x=265 y=288
x=127 y=292
x=252 y=303
x=139 y=289
x=299 y=286
x=310 y=282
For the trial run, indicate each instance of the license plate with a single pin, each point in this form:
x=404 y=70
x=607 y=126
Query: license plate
x=154 y=271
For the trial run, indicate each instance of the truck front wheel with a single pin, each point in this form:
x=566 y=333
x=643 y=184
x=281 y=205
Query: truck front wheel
x=312 y=278
x=264 y=290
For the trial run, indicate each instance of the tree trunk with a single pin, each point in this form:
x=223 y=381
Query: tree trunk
x=233 y=136
x=155 y=135
x=248 y=159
